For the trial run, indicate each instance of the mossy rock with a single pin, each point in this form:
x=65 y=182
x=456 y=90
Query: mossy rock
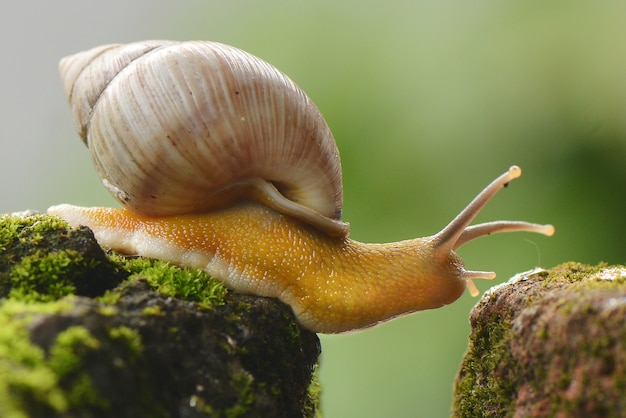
x=548 y=344
x=89 y=334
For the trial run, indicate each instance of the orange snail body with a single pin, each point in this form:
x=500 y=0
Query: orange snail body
x=267 y=229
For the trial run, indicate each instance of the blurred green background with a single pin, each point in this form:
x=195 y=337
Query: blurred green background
x=428 y=102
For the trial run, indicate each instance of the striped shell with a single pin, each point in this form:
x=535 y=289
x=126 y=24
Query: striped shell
x=172 y=125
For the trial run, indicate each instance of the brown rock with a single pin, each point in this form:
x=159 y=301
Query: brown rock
x=548 y=343
x=89 y=334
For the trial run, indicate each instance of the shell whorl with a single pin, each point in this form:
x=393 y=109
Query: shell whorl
x=169 y=125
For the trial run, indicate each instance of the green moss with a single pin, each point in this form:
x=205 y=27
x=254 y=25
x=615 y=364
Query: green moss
x=243 y=383
x=169 y=280
x=480 y=386
x=26 y=375
x=42 y=275
x=108 y=310
x=152 y=311
x=27 y=228
x=110 y=297
x=41 y=259
x=67 y=352
x=45 y=277
x=130 y=338
x=314 y=395
x=55 y=382
x=82 y=393
x=295 y=332
x=66 y=359
x=574 y=272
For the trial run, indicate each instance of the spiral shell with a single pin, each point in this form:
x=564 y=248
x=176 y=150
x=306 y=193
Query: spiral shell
x=171 y=126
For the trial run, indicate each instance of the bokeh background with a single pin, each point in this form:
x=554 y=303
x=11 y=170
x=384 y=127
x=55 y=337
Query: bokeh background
x=428 y=101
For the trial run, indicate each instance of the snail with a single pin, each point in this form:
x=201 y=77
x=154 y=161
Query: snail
x=222 y=163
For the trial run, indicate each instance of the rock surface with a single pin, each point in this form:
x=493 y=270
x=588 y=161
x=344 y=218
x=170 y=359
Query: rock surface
x=548 y=344
x=86 y=334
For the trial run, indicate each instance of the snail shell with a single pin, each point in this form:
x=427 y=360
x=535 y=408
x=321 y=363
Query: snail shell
x=187 y=127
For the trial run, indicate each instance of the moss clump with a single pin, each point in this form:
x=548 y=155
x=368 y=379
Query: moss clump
x=28 y=376
x=71 y=344
x=42 y=378
x=31 y=271
x=39 y=382
x=42 y=260
x=314 y=393
x=152 y=311
x=28 y=229
x=244 y=383
x=488 y=350
x=67 y=358
x=46 y=277
x=169 y=280
x=130 y=338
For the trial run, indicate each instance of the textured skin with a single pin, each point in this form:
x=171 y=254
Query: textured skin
x=333 y=284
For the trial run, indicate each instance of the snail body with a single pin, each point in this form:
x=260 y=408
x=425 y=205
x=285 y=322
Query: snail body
x=222 y=163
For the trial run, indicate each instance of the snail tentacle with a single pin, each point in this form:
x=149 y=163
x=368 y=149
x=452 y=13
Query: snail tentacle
x=448 y=237
x=458 y=232
x=480 y=230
